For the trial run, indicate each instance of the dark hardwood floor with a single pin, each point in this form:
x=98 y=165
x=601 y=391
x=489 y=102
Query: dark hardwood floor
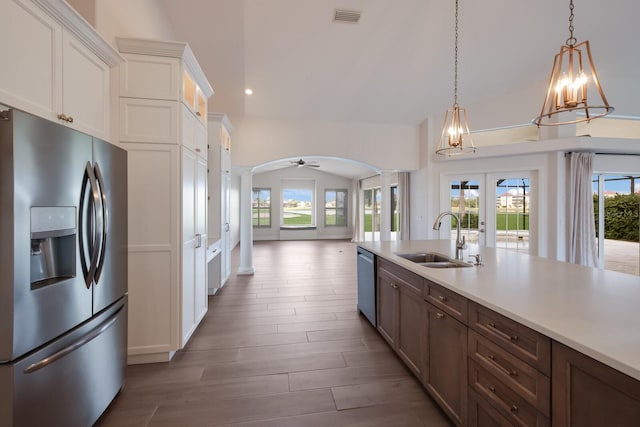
x=284 y=347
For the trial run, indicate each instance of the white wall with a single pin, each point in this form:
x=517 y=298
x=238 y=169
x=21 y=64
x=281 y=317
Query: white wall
x=385 y=146
x=323 y=181
x=234 y=209
x=127 y=18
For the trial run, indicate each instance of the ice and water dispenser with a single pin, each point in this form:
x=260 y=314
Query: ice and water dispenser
x=53 y=244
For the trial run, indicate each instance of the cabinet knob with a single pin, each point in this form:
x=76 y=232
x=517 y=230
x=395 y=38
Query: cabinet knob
x=198 y=113
x=394 y=286
x=513 y=408
x=442 y=298
x=197 y=150
x=440 y=315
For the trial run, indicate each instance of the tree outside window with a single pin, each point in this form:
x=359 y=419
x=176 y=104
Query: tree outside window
x=335 y=208
x=261 y=207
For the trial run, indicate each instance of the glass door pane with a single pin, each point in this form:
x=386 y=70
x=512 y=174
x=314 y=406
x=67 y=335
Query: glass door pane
x=617 y=217
x=512 y=218
x=465 y=201
x=371 y=220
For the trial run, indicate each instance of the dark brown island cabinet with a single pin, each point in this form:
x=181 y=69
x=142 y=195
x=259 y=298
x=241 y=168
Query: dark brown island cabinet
x=485 y=369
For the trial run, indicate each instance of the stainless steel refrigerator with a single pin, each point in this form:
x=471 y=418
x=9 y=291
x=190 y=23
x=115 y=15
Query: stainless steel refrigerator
x=63 y=273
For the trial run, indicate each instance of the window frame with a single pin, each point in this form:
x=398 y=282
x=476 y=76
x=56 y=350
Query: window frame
x=298 y=185
x=258 y=190
x=344 y=208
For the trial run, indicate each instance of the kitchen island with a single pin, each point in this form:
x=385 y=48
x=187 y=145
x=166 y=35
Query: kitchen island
x=567 y=310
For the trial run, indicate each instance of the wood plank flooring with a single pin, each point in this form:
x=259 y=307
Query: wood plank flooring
x=284 y=347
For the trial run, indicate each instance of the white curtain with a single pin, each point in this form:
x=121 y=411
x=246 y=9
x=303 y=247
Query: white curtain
x=403 y=200
x=582 y=245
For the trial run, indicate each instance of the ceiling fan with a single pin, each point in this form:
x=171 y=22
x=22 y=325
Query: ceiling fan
x=300 y=163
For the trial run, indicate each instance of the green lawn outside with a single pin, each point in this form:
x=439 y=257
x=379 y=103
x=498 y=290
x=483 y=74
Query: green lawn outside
x=515 y=222
x=300 y=219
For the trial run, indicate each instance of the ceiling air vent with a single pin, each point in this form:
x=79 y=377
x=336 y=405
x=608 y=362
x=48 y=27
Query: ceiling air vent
x=343 y=15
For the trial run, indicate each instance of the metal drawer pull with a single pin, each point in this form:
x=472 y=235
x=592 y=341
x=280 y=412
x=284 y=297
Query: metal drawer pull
x=66 y=118
x=94 y=333
x=394 y=286
x=514 y=408
x=492 y=389
x=505 y=371
x=440 y=315
x=442 y=298
x=502 y=334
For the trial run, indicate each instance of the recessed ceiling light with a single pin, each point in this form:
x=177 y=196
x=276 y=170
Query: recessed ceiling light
x=248 y=91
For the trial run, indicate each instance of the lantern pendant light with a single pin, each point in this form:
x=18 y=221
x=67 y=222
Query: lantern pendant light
x=572 y=81
x=455 y=138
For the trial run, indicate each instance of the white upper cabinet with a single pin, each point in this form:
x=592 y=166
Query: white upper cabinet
x=164 y=70
x=53 y=64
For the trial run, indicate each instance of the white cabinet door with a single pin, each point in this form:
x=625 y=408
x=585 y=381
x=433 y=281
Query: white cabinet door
x=85 y=85
x=188 y=243
x=201 y=291
x=29 y=63
x=225 y=269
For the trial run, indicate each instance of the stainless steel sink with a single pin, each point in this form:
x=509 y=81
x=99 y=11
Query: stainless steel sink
x=433 y=260
x=422 y=257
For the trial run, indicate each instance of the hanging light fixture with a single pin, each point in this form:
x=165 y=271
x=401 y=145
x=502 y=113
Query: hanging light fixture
x=455 y=138
x=571 y=81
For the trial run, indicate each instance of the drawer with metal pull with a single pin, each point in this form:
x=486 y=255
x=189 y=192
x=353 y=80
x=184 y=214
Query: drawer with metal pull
x=526 y=344
x=525 y=380
x=446 y=300
x=509 y=403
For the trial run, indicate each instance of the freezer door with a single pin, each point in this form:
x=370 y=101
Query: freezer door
x=71 y=381
x=42 y=290
x=110 y=280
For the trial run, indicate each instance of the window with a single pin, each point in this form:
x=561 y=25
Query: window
x=298 y=203
x=261 y=207
x=335 y=208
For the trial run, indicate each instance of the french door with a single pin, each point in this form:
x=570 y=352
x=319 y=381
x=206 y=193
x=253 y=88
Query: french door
x=464 y=196
x=371 y=213
x=617 y=221
x=495 y=209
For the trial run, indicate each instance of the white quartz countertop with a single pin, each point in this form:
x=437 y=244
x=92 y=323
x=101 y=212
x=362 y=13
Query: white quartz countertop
x=595 y=312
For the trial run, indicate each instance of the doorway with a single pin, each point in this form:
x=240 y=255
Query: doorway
x=371 y=213
x=616 y=203
x=495 y=209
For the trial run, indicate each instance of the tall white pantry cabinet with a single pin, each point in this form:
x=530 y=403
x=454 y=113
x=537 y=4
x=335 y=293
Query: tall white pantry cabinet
x=163 y=126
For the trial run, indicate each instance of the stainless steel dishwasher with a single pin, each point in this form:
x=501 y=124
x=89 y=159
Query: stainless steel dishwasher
x=367 y=285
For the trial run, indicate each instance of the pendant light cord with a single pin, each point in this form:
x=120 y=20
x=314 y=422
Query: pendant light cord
x=455 y=64
x=571 y=41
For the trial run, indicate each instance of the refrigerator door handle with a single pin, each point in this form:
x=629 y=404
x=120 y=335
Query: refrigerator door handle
x=104 y=223
x=97 y=331
x=87 y=223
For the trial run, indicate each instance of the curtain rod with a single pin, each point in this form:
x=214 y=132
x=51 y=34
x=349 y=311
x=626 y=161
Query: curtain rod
x=602 y=154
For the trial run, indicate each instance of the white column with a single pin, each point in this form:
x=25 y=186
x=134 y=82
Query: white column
x=246 y=226
x=385 y=206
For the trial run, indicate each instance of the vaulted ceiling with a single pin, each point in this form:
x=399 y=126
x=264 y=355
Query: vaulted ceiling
x=396 y=64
